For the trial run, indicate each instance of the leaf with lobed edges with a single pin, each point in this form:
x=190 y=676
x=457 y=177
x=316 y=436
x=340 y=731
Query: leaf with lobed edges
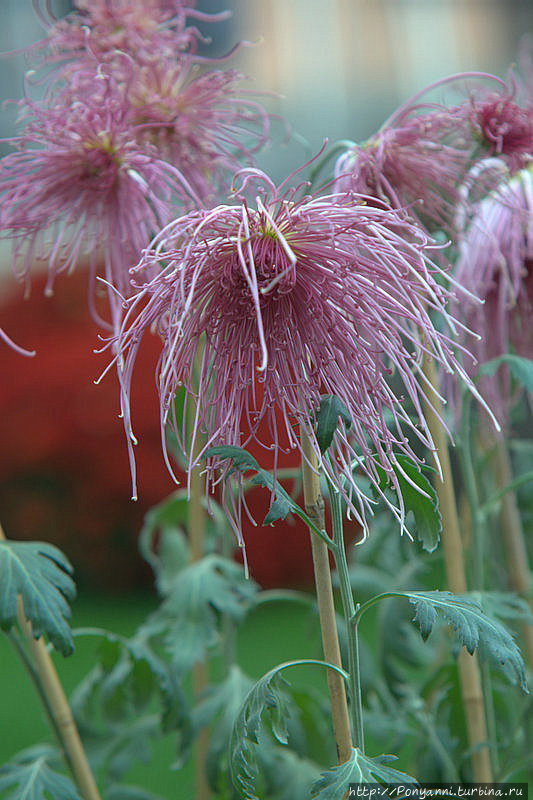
x=267 y=697
x=41 y=574
x=218 y=709
x=473 y=627
x=187 y=619
x=422 y=501
x=282 y=503
x=35 y=780
x=359 y=768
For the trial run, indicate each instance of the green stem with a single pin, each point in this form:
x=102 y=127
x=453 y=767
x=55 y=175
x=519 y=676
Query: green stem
x=14 y=638
x=50 y=690
x=284 y=596
x=229 y=633
x=486 y=680
x=469 y=677
x=477 y=529
x=354 y=670
x=472 y=495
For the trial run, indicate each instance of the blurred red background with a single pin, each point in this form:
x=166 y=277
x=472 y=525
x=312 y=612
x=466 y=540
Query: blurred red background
x=64 y=473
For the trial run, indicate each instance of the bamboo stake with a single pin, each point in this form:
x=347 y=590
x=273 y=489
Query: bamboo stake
x=196 y=530
x=314 y=507
x=469 y=675
x=200 y=677
x=57 y=706
x=513 y=539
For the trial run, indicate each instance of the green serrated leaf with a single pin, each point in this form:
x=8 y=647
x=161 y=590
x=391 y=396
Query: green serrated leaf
x=117 y=692
x=165 y=524
x=327 y=419
x=34 y=780
x=473 y=627
x=425 y=617
x=504 y=605
x=267 y=699
x=242 y=459
x=187 y=619
x=129 y=744
x=520 y=368
x=41 y=575
x=423 y=502
x=358 y=769
x=419 y=498
x=289 y=776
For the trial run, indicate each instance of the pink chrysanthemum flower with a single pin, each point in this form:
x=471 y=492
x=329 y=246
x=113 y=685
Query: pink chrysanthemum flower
x=416 y=160
x=495 y=263
x=420 y=158
x=289 y=299
x=149 y=30
x=503 y=128
x=80 y=183
x=202 y=122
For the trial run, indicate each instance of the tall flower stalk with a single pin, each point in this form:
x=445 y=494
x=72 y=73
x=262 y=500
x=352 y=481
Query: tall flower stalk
x=200 y=677
x=56 y=706
x=495 y=262
x=314 y=506
x=469 y=674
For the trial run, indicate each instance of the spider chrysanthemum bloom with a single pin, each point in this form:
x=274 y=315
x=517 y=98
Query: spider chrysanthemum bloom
x=79 y=184
x=495 y=263
x=203 y=122
x=149 y=30
x=416 y=161
x=503 y=128
x=288 y=299
x=421 y=157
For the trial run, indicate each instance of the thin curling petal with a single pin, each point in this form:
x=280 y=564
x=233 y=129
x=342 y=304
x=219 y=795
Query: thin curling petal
x=14 y=346
x=336 y=294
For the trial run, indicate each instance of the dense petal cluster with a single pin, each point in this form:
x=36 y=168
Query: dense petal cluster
x=149 y=31
x=504 y=126
x=200 y=121
x=496 y=264
x=79 y=184
x=415 y=163
x=290 y=298
x=421 y=157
